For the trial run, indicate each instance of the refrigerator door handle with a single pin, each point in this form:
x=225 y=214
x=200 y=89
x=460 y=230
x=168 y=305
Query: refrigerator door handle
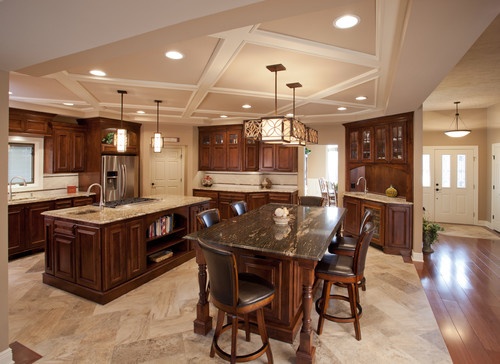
x=124 y=183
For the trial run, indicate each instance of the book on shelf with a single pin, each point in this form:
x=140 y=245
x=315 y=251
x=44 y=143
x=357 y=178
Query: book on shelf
x=162 y=226
x=161 y=255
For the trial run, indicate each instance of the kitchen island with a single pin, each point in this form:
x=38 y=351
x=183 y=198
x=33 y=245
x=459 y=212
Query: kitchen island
x=102 y=253
x=286 y=255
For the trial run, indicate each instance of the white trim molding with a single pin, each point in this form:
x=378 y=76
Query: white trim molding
x=6 y=357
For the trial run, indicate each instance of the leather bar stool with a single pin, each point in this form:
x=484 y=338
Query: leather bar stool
x=348 y=270
x=208 y=217
x=235 y=295
x=346 y=245
x=311 y=201
x=239 y=208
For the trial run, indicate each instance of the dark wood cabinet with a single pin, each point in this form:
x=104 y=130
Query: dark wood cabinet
x=256 y=200
x=225 y=200
x=280 y=197
x=251 y=155
x=220 y=148
x=35 y=233
x=29 y=122
x=381 y=150
x=278 y=158
x=87 y=257
x=114 y=256
x=393 y=223
x=83 y=200
x=65 y=150
x=136 y=249
x=193 y=211
x=17 y=228
x=213 y=195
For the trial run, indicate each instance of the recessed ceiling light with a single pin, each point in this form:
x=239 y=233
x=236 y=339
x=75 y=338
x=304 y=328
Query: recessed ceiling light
x=346 y=21
x=174 y=55
x=98 y=73
x=223 y=116
x=246 y=106
x=342 y=108
x=361 y=98
x=141 y=112
x=10 y=92
x=68 y=103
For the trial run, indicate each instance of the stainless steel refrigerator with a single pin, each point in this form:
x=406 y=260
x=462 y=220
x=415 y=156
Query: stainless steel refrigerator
x=120 y=174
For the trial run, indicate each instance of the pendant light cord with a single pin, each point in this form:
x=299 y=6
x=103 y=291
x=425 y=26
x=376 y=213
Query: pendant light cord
x=157 y=115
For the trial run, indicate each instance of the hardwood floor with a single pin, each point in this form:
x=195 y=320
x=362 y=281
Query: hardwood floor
x=461 y=281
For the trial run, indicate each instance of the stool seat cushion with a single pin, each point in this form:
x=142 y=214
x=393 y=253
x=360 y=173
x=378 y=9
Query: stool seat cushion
x=252 y=289
x=333 y=264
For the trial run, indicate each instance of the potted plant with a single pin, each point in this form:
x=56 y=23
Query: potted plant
x=430 y=234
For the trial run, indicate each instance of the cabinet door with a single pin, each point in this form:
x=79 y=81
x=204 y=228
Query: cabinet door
x=354 y=146
x=378 y=219
x=233 y=152
x=218 y=151
x=194 y=225
x=381 y=143
x=17 y=229
x=62 y=157
x=398 y=142
x=399 y=230
x=63 y=203
x=275 y=197
x=352 y=218
x=204 y=151
x=78 y=152
x=225 y=200
x=35 y=224
x=256 y=200
x=64 y=256
x=88 y=256
x=251 y=155
x=286 y=159
x=367 y=144
x=136 y=260
x=114 y=256
x=214 y=195
x=83 y=201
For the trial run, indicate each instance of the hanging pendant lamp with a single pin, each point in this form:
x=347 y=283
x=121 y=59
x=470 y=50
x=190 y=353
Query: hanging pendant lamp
x=157 y=139
x=457 y=133
x=274 y=128
x=120 y=139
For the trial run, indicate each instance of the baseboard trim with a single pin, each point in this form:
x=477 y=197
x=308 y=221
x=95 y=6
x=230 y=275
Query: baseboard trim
x=6 y=357
x=417 y=257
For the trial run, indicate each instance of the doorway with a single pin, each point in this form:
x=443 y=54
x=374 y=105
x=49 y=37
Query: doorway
x=495 y=192
x=167 y=171
x=449 y=177
x=320 y=161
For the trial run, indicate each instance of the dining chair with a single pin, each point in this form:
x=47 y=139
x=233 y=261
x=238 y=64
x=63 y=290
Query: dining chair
x=347 y=270
x=311 y=201
x=208 y=217
x=327 y=193
x=239 y=208
x=236 y=294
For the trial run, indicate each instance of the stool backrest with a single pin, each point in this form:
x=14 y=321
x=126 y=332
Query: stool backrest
x=223 y=274
x=311 y=201
x=208 y=217
x=367 y=216
x=239 y=208
x=362 y=248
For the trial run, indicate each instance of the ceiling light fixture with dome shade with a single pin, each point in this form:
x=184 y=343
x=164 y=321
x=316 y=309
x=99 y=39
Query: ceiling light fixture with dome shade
x=457 y=133
x=120 y=139
x=157 y=139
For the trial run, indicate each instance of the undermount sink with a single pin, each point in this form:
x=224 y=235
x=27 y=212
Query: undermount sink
x=85 y=212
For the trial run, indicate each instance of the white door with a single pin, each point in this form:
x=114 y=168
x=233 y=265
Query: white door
x=495 y=193
x=167 y=171
x=449 y=193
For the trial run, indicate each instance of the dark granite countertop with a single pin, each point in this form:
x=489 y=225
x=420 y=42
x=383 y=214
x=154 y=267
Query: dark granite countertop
x=306 y=236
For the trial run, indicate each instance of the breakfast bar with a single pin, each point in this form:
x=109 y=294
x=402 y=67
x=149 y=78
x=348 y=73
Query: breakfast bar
x=284 y=254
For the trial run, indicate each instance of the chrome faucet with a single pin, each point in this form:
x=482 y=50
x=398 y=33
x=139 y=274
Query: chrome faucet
x=101 y=198
x=359 y=179
x=10 y=184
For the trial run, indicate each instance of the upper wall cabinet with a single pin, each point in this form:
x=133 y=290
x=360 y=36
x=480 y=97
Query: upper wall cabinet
x=220 y=148
x=64 y=150
x=278 y=158
x=381 y=150
x=29 y=122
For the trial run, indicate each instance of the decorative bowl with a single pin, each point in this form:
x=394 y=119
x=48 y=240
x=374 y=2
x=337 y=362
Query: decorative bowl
x=280 y=220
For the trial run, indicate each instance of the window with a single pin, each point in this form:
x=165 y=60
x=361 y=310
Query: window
x=26 y=161
x=426 y=170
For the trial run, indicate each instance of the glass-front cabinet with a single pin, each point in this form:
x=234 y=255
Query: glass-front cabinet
x=354 y=145
x=397 y=142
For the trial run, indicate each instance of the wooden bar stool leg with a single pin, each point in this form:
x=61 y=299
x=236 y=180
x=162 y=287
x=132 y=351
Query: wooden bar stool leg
x=263 y=334
x=247 y=327
x=353 y=300
x=234 y=336
x=218 y=329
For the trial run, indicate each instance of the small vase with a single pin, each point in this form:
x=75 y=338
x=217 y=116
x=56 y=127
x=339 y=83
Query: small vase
x=426 y=248
x=391 y=192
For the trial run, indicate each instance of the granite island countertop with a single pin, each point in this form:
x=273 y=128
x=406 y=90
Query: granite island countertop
x=23 y=198
x=95 y=215
x=378 y=198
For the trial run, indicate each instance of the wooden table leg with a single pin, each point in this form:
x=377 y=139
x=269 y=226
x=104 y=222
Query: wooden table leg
x=203 y=321
x=306 y=350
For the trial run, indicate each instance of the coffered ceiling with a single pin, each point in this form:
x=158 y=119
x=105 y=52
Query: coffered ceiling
x=397 y=55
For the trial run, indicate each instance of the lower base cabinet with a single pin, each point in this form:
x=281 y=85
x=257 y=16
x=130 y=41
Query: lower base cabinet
x=393 y=223
x=102 y=262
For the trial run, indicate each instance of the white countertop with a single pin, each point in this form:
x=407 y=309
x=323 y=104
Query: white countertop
x=248 y=188
x=378 y=198
x=95 y=215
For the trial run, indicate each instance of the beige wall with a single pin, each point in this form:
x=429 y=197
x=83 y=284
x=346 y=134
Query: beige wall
x=477 y=121
x=4 y=301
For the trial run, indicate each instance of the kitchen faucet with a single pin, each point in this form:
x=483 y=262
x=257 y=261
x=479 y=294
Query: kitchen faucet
x=359 y=179
x=101 y=198
x=10 y=184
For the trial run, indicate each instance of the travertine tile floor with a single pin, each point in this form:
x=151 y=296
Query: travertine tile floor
x=153 y=324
